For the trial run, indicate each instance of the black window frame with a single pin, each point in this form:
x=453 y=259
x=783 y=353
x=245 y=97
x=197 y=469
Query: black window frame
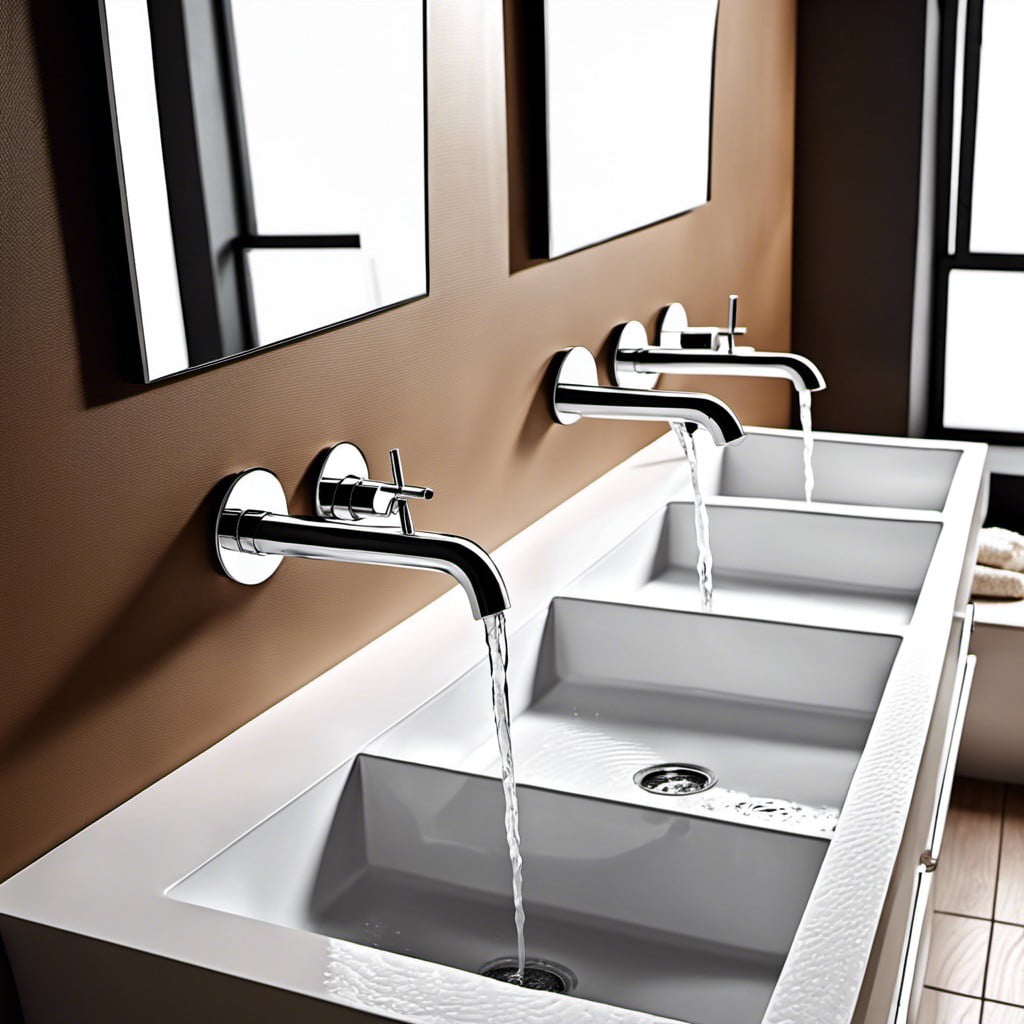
x=962 y=258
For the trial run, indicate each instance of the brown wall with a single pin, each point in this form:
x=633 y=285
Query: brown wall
x=125 y=652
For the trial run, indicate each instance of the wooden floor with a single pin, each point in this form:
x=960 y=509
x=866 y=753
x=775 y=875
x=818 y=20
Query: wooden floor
x=975 y=972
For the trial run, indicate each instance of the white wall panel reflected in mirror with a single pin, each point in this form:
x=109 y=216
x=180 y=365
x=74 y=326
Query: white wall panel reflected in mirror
x=335 y=141
x=295 y=290
x=627 y=106
x=273 y=162
x=984 y=363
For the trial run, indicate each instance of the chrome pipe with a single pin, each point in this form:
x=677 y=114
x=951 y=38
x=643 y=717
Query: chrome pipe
x=799 y=370
x=301 y=537
x=623 y=404
x=574 y=393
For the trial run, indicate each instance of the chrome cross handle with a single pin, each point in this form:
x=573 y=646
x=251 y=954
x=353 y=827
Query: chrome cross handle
x=732 y=330
x=344 y=490
x=674 y=330
x=404 y=493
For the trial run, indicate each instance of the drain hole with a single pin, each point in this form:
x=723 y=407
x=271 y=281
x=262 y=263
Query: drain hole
x=541 y=975
x=675 y=779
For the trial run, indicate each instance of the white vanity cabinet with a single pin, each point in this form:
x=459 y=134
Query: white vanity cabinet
x=894 y=978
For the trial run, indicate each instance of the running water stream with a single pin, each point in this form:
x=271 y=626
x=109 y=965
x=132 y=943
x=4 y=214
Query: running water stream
x=497 y=649
x=805 y=426
x=700 y=517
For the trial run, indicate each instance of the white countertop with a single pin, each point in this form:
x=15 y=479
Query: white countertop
x=109 y=881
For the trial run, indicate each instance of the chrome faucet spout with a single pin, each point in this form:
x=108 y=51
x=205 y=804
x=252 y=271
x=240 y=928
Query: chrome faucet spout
x=575 y=393
x=681 y=349
x=799 y=370
x=622 y=404
x=305 y=537
x=254 y=534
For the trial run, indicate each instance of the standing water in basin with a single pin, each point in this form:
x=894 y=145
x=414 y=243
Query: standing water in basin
x=700 y=518
x=497 y=648
x=805 y=425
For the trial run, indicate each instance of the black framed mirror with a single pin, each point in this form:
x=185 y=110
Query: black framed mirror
x=272 y=160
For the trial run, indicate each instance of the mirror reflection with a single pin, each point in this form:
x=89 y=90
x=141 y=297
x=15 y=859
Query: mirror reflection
x=626 y=109
x=272 y=155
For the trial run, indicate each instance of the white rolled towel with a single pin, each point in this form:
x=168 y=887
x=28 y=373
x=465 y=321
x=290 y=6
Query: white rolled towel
x=1001 y=549
x=989 y=582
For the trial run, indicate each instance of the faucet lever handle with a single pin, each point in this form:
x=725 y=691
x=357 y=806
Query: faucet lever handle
x=403 y=493
x=732 y=330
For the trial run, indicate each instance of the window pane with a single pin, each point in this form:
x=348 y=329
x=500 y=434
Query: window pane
x=984 y=379
x=997 y=213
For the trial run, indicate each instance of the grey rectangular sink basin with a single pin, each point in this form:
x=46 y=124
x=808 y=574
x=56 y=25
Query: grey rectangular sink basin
x=792 y=564
x=652 y=911
x=779 y=713
x=848 y=472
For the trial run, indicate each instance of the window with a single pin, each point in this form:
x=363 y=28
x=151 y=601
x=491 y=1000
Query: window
x=978 y=372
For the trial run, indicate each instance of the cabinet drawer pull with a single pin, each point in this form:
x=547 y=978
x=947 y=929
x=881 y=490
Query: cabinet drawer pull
x=952 y=749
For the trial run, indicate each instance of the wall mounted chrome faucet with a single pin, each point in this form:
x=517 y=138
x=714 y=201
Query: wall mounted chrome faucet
x=682 y=349
x=254 y=532
x=575 y=393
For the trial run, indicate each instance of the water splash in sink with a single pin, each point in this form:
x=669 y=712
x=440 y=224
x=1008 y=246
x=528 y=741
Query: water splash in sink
x=497 y=649
x=805 y=426
x=700 y=518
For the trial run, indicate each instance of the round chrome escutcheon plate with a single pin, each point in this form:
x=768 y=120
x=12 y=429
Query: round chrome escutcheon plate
x=253 y=490
x=630 y=335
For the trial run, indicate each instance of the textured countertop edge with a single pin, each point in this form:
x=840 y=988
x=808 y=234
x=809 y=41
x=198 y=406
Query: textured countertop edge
x=822 y=977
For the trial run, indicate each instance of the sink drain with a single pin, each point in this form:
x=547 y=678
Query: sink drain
x=675 y=779
x=541 y=975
